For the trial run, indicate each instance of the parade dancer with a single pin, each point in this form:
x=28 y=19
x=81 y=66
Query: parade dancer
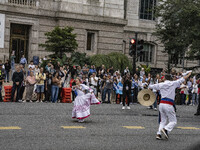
x=85 y=97
x=167 y=112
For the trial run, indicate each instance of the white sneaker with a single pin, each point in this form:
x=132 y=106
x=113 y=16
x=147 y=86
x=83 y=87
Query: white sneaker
x=123 y=107
x=37 y=101
x=120 y=103
x=81 y=120
x=155 y=109
x=20 y=101
x=30 y=101
x=128 y=107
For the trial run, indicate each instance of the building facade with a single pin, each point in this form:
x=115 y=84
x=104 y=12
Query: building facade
x=102 y=26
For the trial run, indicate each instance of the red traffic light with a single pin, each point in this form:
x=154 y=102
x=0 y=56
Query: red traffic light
x=132 y=41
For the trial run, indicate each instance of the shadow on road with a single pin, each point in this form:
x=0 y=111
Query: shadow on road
x=194 y=147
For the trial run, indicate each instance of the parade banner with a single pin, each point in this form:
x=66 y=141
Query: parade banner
x=2 y=30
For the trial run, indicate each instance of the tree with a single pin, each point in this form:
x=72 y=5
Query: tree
x=117 y=60
x=78 y=58
x=178 y=28
x=60 y=40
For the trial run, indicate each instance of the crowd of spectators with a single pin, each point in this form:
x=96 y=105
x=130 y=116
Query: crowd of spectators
x=109 y=85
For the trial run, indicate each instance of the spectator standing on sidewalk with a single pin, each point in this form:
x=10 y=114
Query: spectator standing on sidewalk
x=126 y=71
x=31 y=65
x=93 y=82
x=194 y=94
x=85 y=70
x=142 y=73
x=92 y=70
x=23 y=61
x=40 y=77
x=52 y=70
x=126 y=91
x=48 y=84
x=108 y=87
x=36 y=70
x=22 y=88
x=2 y=76
x=55 y=87
x=198 y=108
x=30 y=82
x=17 y=78
x=7 y=70
x=12 y=58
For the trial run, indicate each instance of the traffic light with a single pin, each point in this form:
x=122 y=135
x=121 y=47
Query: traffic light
x=140 y=47
x=132 y=46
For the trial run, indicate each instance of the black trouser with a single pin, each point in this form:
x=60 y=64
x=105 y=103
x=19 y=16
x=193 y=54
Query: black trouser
x=126 y=94
x=120 y=98
x=14 y=88
x=1 y=100
x=59 y=93
x=73 y=95
x=198 y=108
x=21 y=92
x=48 y=94
x=135 y=95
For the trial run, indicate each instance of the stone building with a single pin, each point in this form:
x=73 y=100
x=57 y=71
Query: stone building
x=102 y=26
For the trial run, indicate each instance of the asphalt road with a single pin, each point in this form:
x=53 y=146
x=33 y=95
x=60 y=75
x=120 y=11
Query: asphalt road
x=40 y=127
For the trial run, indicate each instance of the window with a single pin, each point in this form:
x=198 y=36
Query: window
x=147 y=9
x=176 y=60
x=90 y=41
x=31 y=3
x=147 y=53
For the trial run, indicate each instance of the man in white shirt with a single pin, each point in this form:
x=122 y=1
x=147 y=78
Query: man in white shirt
x=93 y=82
x=126 y=71
x=31 y=65
x=167 y=112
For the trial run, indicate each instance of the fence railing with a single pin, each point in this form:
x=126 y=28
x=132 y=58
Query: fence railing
x=29 y=3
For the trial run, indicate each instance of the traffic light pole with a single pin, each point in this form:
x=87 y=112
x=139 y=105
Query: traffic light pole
x=134 y=54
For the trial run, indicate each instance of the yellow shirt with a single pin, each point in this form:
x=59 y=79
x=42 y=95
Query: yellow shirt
x=40 y=77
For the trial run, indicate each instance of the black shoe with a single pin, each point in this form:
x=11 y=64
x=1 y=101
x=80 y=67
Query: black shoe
x=164 y=131
x=197 y=114
x=158 y=137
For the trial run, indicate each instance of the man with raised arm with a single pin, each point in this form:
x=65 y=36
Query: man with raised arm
x=167 y=112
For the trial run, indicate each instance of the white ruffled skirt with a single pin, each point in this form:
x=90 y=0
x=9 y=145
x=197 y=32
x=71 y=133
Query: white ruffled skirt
x=81 y=109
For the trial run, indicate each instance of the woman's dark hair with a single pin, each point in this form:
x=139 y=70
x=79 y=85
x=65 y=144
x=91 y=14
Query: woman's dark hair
x=54 y=74
x=168 y=77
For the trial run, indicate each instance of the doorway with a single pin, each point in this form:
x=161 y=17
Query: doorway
x=19 y=39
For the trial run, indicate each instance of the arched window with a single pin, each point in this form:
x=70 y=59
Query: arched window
x=147 y=53
x=147 y=9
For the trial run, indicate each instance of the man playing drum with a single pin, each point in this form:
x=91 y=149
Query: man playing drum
x=167 y=112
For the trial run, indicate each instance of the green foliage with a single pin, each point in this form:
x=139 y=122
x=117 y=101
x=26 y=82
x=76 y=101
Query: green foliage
x=117 y=60
x=44 y=63
x=100 y=59
x=178 y=28
x=146 y=68
x=60 y=40
x=78 y=58
x=62 y=60
x=54 y=60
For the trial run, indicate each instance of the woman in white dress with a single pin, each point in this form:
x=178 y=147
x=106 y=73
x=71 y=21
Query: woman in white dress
x=85 y=97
